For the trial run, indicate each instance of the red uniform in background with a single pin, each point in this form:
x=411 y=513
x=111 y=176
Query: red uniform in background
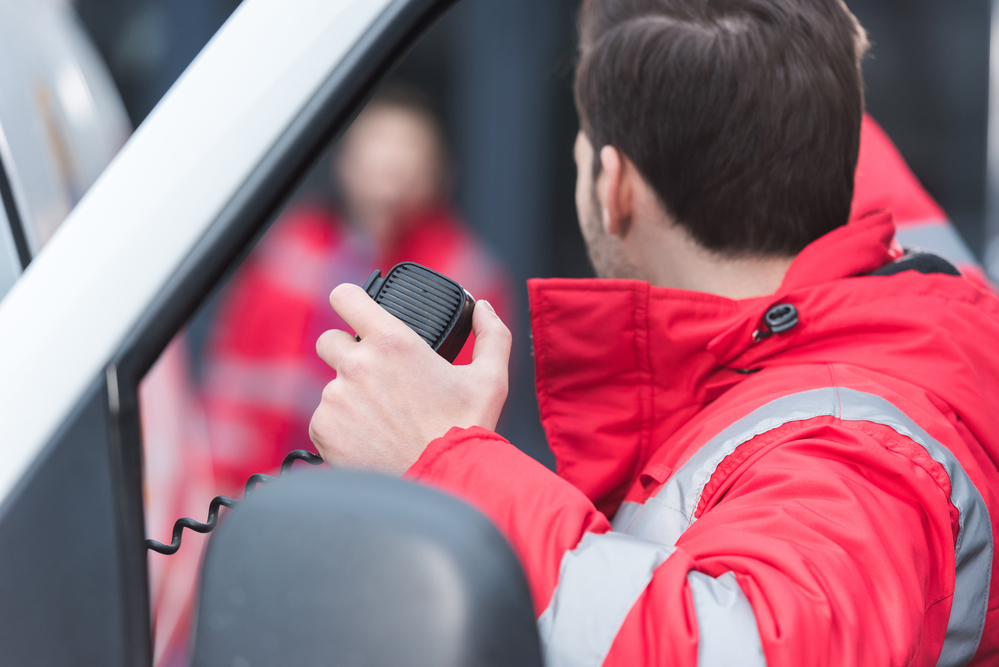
x=263 y=378
x=885 y=182
x=828 y=495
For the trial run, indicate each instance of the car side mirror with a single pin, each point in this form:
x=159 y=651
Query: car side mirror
x=349 y=568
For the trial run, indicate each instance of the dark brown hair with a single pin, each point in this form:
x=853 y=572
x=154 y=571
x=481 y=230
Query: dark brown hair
x=743 y=115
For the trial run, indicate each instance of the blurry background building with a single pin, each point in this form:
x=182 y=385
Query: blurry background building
x=499 y=73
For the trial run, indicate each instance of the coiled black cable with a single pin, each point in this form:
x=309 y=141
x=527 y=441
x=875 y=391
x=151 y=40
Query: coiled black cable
x=225 y=501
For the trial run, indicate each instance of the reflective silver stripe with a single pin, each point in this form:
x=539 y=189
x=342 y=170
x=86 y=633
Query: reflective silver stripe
x=938 y=237
x=599 y=582
x=624 y=515
x=973 y=550
x=726 y=624
x=666 y=516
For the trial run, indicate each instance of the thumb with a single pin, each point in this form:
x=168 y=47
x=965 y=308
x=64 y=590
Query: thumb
x=492 y=339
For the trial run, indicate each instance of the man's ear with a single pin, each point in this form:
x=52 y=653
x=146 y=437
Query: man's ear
x=615 y=192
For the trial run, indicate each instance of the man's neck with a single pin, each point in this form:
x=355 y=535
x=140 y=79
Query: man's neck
x=669 y=257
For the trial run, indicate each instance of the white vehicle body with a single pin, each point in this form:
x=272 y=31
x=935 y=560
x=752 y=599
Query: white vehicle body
x=61 y=123
x=156 y=232
x=143 y=217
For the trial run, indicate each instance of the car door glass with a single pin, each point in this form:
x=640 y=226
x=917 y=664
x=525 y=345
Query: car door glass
x=232 y=394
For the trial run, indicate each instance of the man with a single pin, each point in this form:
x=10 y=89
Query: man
x=262 y=374
x=773 y=448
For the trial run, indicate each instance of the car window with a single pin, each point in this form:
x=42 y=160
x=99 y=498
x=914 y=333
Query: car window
x=232 y=392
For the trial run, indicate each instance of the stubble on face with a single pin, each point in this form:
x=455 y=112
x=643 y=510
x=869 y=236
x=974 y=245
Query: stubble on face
x=606 y=253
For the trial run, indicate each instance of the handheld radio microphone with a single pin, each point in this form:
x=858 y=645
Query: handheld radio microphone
x=432 y=305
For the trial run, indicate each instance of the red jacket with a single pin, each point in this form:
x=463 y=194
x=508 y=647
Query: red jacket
x=822 y=496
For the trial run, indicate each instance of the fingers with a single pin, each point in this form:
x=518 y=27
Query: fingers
x=361 y=313
x=333 y=345
x=492 y=339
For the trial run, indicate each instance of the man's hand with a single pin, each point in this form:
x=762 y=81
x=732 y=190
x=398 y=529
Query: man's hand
x=393 y=394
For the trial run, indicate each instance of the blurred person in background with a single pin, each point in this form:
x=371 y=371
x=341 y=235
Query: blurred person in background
x=392 y=173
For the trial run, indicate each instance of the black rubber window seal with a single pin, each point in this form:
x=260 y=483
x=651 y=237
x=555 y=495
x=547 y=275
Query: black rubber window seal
x=14 y=217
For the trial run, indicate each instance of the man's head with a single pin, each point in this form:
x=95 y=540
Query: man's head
x=740 y=117
x=391 y=165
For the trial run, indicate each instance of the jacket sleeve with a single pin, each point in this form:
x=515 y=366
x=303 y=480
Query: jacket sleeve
x=823 y=550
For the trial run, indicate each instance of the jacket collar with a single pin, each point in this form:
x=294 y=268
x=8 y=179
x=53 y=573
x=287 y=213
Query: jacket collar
x=621 y=365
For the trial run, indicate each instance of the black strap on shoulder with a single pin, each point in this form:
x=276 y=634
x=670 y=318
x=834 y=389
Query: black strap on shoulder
x=919 y=261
